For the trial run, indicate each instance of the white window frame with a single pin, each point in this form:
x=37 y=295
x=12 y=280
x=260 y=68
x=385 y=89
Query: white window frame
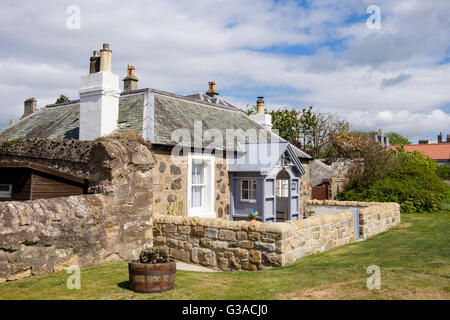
x=207 y=210
x=283 y=188
x=250 y=183
x=6 y=194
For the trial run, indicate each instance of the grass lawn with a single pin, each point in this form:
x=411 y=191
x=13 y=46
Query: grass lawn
x=414 y=259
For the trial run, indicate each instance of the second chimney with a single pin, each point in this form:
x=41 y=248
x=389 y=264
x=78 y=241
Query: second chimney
x=439 y=137
x=212 y=91
x=105 y=58
x=263 y=119
x=260 y=105
x=130 y=81
x=94 y=66
x=29 y=107
x=448 y=137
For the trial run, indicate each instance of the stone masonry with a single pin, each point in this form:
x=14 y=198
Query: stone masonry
x=42 y=236
x=170 y=185
x=242 y=245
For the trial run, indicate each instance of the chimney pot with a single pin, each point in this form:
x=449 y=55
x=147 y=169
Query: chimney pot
x=263 y=119
x=29 y=107
x=260 y=105
x=130 y=81
x=94 y=65
x=212 y=91
x=105 y=58
x=11 y=121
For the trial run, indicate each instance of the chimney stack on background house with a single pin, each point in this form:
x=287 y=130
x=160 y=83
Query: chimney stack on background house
x=262 y=118
x=99 y=98
x=448 y=137
x=29 y=107
x=11 y=121
x=439 y=137
x=423 y=141
x=130 y=81
x=212 y=92
x=95 y=62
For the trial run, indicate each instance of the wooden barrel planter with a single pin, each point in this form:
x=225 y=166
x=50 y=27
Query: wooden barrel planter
x=148 y=277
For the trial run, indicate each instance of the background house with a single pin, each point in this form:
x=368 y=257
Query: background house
x=439 y=151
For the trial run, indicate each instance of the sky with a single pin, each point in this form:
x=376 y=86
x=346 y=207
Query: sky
x=294 y=53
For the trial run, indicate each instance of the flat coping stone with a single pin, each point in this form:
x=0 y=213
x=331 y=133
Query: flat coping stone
x=193 y=267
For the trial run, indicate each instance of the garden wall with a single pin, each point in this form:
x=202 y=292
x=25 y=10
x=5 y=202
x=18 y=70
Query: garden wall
x=43 y=236
x=242 y=245
x=235 y=245
x=372 y=217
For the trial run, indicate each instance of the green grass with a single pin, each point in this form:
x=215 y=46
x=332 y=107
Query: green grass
x=414 y=259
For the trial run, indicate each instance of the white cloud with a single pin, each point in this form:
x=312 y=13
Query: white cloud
x=180 y=45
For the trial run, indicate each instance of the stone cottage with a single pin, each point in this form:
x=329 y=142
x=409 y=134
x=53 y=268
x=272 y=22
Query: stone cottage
x=212 y=174
x=157 y=168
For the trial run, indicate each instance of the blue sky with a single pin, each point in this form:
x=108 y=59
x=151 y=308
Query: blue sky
x=294 y=53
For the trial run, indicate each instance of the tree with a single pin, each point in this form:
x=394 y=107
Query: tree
x=309 y=128
x=325 y=125
x=397 y=139
x=287 y=122
x=62 y=98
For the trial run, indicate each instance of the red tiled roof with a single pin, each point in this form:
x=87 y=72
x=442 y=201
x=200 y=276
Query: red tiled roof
x=436 y=151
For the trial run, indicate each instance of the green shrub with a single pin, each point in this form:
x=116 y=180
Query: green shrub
x=412 y=182
x=443 y=172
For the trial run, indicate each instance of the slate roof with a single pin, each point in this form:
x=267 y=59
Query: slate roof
x=216 y=101
x=174 y=113
x=62 y=120
x=167 y=112
x=318 y=172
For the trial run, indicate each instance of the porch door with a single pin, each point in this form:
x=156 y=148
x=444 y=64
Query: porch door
x=201 y=186
x=294 y=199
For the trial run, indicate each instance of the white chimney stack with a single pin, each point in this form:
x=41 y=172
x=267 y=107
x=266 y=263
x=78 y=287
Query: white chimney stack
x=99 y=99
x=261 y=117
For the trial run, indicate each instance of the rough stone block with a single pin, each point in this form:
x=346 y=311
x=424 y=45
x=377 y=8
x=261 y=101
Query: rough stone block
x=212 y=233
x=246 y=244
x=227 y=235
x=198 y=231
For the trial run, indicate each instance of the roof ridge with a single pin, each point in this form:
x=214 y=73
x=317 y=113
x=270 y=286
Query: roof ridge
x=186 y=98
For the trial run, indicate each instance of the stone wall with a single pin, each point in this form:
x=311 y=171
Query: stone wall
x=242 y=245
x=378 y=218
x=42 y=236
x=171 y=183
x=374 y=217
